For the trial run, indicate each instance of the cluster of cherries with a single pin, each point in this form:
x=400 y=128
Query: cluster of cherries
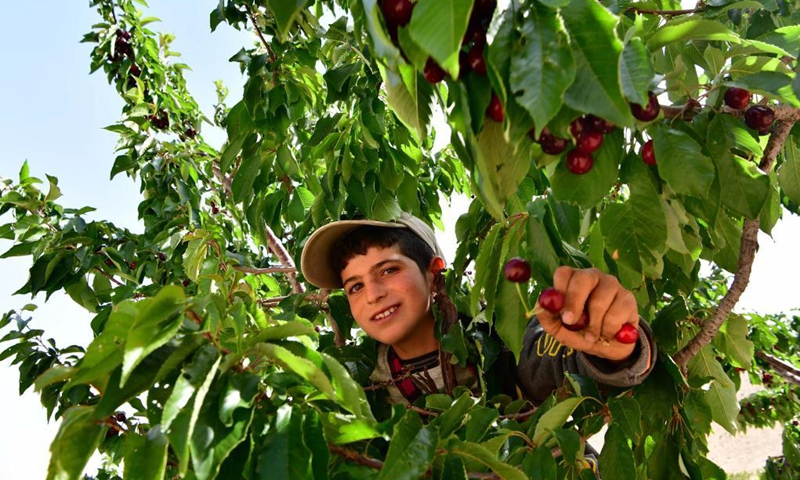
x=758 y=117
x=397 y=13
x=518 y=270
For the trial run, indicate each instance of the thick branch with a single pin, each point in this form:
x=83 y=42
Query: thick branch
x=783 y=113
x=747 y=251
x=787 y=371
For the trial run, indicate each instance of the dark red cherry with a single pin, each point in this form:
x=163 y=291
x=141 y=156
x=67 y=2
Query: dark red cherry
x=647 y=112
x=579 y=162
x=737 y=98
x=648 y=154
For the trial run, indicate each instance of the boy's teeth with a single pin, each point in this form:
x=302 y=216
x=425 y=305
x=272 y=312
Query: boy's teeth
x=385 y=314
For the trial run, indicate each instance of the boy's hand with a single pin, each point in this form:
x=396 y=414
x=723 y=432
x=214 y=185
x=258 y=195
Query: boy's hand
x=608 y=305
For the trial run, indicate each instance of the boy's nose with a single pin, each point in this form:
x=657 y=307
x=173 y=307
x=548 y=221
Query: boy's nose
x=375 y=291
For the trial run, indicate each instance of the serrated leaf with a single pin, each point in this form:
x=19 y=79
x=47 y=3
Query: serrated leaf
x=732 y=341
x=488 y=257
x=540 y=464
x=477 y=453
x=721 y=394
x=146 y=455
x=542 y=67
x=284 y=456
x=438 y=26
x=350 y=395
x=616 y=459
x=411 y=105
x=636 y=72
x=501 y=167
x=625 y=413
x=693 y=28
x=597 y=52
x=242 y=184
x=681 y=162
x=511 y=320
x=411 y=450
x=285 y=13
x=554 y=419
x=789 y=170
x=77 y=438
x=590 y=188
x=299 y=365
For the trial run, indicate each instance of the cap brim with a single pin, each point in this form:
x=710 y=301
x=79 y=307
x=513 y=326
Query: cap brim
x=315 y=261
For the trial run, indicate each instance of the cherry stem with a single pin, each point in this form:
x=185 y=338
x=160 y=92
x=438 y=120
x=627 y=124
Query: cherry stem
x=528 y=312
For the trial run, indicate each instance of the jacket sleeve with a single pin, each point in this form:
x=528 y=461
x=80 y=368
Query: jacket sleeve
x=543 y=362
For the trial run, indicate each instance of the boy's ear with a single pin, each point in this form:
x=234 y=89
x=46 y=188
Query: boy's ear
x=436 y=265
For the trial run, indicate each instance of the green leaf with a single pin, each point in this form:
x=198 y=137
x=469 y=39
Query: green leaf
x=721 y=394
x=590 y=188
x=487 y=260
x=789 y=170
x=54 y=191
x=301 y=366
x=501 y=167
x=349 y=394
x=409 y=96
x=626 y=414
x=636 y=72
x=411 y=450
x=540 y=464
x=477 y=453
x=242 y=185
x=285 y=13
x=285 y=330
x=597 y=52
x=774 y=84
x=77 y=438
x=438 y=26
x=381 y=41
x=732 y=341
x=195 y=255
x=542 y=66
x=681 y=162
x=554 y=419
x=693 y=28
x=616 y=459
x=511 y=320
x=284 y=455
x=146 y=455
x=157 y=321
x=664 y=461
x=456 y=415
x=385 y=207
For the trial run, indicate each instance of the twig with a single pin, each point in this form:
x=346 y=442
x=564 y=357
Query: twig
x=787 y=371
x=747 y=251
x=264 y=271
x=277 y=248
x=666 y=13
x=264 y=41
x=108 y=276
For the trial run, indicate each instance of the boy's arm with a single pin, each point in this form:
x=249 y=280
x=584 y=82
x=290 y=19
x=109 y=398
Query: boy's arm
x=544 y=361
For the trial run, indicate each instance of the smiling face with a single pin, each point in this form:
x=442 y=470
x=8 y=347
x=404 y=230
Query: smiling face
x=390 y=300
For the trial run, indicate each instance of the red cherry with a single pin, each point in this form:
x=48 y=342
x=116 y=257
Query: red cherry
x=550 y=144
x=579 y=162
x=432 y=72
x=759 y=117
x=132 y=265
x=583 y=322
x=186 y=282
x=648 y=154
x=476 y=60
x=647 y=112
x=627 y=334
x=517 y=270
x=737 y=98
x=110 y=262
x=589 y=141
x=397 y=12
x=599 y=124
x=495 y=109
x=577 y=127
x=551 y=300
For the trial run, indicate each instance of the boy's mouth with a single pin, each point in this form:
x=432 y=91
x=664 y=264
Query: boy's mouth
x=384 y=314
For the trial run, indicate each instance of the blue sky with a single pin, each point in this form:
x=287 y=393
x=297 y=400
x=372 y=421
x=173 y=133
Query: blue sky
x=53 y=114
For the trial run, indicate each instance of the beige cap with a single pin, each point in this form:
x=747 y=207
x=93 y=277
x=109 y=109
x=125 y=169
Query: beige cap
x=315 y=262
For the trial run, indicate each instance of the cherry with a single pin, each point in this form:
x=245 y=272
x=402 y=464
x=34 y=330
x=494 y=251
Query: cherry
x=397 y=12
x=589 y=141
x=627 y=334
x=132 y=265
x=135 y=70
x=759 y=117
x=162 y=257
x=432 y=72
x=517 y=270
x=599 y=124
x=648 y=154
x=495 y=109
x=550 y=144
x=551 y=300
x=476 y=60
x=583 y=322
x=190 y=132
x=579 y=162
x=577 y=126
x=737 y=98
x=109 y=262
x=186 y=282
x=648 y=112
x=484 y=8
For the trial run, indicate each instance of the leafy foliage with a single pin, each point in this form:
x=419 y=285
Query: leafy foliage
x=212 y=360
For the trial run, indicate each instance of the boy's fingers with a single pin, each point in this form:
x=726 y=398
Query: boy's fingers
x=576 y=285
x=623 y=310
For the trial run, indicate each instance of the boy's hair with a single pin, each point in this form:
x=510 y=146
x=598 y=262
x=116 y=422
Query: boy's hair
x=358 y=241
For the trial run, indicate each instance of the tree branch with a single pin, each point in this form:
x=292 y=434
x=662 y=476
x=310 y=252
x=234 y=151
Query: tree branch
x=264 y=271
x=666 y=13
x=747 y=251
x=787 y=371
x=278 y=249
x=261 y=36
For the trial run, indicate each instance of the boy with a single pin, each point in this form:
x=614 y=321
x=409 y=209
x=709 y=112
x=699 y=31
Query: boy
x=388 y=272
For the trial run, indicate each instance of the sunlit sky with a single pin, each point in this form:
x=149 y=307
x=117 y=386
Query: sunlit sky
x=53 y=113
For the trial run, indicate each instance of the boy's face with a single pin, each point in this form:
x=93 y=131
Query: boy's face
x=390 y=299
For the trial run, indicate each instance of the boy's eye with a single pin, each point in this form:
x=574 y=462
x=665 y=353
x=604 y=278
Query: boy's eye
x=389 y=270
x=353 y=288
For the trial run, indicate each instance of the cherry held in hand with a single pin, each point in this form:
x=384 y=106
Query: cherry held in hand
x=627 y=334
